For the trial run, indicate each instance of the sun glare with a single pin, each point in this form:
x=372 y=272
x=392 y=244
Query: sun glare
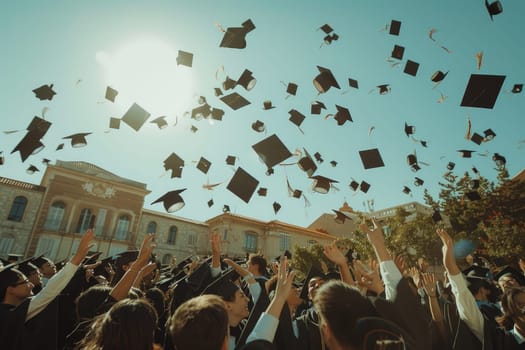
x=145 y=71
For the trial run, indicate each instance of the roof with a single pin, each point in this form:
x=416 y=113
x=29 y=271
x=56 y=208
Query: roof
x=93 y=170
x=173 y=217
x=21 y=184
x=519 y=176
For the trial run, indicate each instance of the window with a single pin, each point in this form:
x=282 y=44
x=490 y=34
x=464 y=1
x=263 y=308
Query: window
x=55 y=216
x=166 y=259
x=250 y=242
x=101 y=218
x=6 y=245
x=84 y=220
x=312 y=242
x=152 y=227
x=17 y=209
x=192 y=238
x=284 y=242
x=172 y=235
x=47 y=246
x=386 y=230
x=121 y=232
x=225 y=235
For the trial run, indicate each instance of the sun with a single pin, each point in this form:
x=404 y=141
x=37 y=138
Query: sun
x=145 y=71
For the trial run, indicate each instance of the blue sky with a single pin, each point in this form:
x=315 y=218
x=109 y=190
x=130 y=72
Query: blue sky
x=132 y=46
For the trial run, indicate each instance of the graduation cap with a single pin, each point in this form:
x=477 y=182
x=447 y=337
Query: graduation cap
x=204 y=165
x=171 y=200
x=384 y=89
x=226 y=208
x=218 y=92
x=364 y=186
x=161 y=122
x=318 y=157
x=235 y=37
x=353 y=83
x=371 y=158
x=354 y=185
x=125 y=258
x=436 y=216
x=316 y=107
x=397 y=52
x=477 y=271
x=111 y=94
x=489 y=134
x=482 y=90
x=228 y=84
x=230 y=160
x=395 y=27
x=517 y=88
x=465 y=153
x=474 y=184
x=114 y=123
x=499 y=160
x=418 y=182
x=313 y=272
x=340 y=217
x=342 y=115
x=325 y=80
x=246 y=80
x=451 y=165
x=333 y=163
x=268 y=105
x=411 y=68
x=235 y=101
x=175 y=164
x=78 y=140
x=322 y=184
x=291 y=88
x=223 y=285
x=243 y=184
x=330 y=37
x=88 y=260
x=296 y=117
x=26 y=268
x=276 y=207
x=185 y=58
x=31 y=169
x=258 y=126
x=476 y=138
x=8 y=277
x=307 y=164
x=13 y=257
x=135 y=117
x=2 y=158
x=438 y=76
x=271 y=151
x=31 y=143
x=262 y=191
x=406 y=190
x=412 y=162
x=510 y=271
x=44 y=92
x=409 y=129
x=493 y=8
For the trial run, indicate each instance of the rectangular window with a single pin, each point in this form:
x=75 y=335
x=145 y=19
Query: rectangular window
x=250 y=242
x=6 y=245
x=99 y=224
x=284 y=242
x=192 y=238
x=225 y=235
x=47 y=246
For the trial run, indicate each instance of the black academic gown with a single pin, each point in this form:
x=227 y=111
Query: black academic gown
x=12 y=321
x=309 y=331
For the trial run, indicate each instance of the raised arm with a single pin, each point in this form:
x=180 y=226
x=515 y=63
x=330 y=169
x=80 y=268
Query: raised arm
x=60 y=280
x=334 y=255
x=430 y=287
x=255 y=288
x=466 y=304
x=215 y=240
x=121 y=289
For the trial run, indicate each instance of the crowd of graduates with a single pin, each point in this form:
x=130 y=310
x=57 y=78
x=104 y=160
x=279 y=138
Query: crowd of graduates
x=132 y=302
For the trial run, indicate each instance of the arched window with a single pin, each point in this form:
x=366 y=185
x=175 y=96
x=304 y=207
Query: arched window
x=122 y=229
x=55 y=216
x=83 y=220
x=172 y=235
x=152 y=227
x=17 y=209
x=166 y=259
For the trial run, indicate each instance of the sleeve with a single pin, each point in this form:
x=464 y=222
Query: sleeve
x=264 y=329
x=215 y=271
x=467 y=308
x=53 y=287
x=255 y=290
x=391 y=277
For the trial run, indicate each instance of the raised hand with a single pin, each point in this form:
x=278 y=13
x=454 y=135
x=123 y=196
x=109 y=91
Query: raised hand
x=449 y=260
x=333 y=254
x=375 y=236
x=83 y=247
x=284 y=280
x=215 y=241
x=429 y=284
x=146 y=248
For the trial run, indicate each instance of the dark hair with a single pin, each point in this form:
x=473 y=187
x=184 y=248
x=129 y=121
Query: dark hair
x=156 y=298
x=199 y=323
x=510 y=309
x=129 y=324
x=260 y=261
x=7 y=279
x=341 y=305
x=89 y=303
